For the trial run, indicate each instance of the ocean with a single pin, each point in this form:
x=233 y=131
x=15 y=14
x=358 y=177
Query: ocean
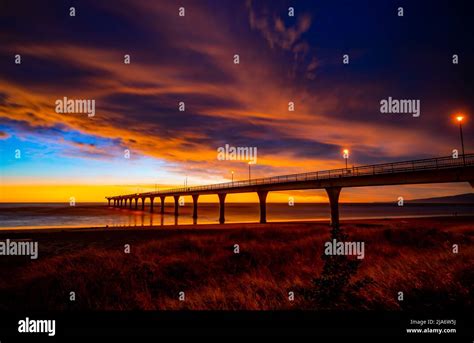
x=55 y=215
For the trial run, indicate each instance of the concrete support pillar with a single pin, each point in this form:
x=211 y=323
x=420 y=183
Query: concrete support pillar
x=121 y=202
x=221 y=207
x=130 y=203
x=333 y=195
x=125 y=202
x=176 y=204
x=136 y=203
x=195 y=205
x=162 y=204
x=262 y=197
x=143 y=203
x=108 y=201
x=151 y=204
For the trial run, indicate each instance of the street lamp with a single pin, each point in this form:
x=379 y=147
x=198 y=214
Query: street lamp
x=232 y=176
x=460 y=118
x=345 y=154
x=249 y=171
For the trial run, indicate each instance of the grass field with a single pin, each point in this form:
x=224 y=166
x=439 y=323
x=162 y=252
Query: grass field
x=413 y=256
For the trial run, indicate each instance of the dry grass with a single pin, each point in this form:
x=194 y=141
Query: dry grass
x=412 y=256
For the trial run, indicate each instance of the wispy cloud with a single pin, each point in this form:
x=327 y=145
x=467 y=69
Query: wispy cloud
x=275 y=31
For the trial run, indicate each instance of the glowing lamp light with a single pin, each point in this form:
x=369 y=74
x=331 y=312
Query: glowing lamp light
x=345 y=154
x=459 y=119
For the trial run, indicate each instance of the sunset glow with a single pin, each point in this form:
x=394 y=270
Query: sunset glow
x=137 y=105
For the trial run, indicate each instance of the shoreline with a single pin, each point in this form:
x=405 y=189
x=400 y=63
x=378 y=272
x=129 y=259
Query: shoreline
x=238 y=226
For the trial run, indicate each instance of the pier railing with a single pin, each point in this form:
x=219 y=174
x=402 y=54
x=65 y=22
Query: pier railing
x=373 y=169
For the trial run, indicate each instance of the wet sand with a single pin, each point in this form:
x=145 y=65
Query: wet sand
x=299 y=224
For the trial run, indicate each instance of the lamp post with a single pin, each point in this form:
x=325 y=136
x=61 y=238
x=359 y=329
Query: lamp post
x=460 y=118
x=345 y=154
x=232 y=176
x=249 y=172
